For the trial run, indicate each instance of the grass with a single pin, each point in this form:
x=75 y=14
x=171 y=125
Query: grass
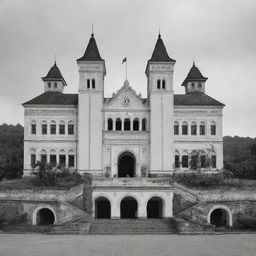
x=29 y=183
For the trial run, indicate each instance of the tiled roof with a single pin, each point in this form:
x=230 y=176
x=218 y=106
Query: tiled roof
x=160 y=53
x=195 y=99
x=54 y=98
x=54 y=74
x=194 y=74
x=91 y=52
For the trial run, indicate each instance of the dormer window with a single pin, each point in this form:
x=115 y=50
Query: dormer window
x=199 y=85
x=49 y=85
x=193 y=85
x=55 y=85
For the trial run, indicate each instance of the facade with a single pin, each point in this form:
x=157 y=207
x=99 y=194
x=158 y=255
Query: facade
x=130 y=144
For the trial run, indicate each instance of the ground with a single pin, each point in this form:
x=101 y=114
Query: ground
x=148 y=245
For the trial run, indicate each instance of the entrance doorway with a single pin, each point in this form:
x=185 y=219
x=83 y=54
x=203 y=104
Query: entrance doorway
x=129 y=208
x=155 y=208
x=45 y=217
x=102 y=208
x=219 y=218
x=126 y=165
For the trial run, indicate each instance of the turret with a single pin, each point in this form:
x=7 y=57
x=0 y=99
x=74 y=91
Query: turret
x=54 y=81
x=195 y=81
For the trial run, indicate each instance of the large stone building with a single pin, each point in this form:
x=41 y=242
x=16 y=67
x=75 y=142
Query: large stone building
x=128 y=143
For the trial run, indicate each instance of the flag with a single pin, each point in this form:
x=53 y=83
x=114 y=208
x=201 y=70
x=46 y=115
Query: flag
x=124 y=60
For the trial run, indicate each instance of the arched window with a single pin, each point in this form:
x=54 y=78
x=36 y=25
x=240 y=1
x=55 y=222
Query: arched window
x=158 y=84
x=203 y=159
x=44 y=127
x=213 y=128
x=43 y=155
x=184 y=159
x=71 y=158
x=202 y=128
x=62 y=158
x=88 y=83
x=33 y=127
x=193 y=128
x=184 y=128
x=176 y=128
x=62 y=127
x=127 y=124
x=110 y=124
x=71 y=128
x=163 y=84
x=53 y=127
x=194 y=160
x=93 y=83
x=177 y=159
x=49 y=85
x=136 y=124
x=55 y=85
x=144 y=124
x=118 y=124
x=53 y=158
x=32 y=157
x=214 y=161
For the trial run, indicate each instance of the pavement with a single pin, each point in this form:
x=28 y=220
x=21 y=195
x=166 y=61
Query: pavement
x=127 y=245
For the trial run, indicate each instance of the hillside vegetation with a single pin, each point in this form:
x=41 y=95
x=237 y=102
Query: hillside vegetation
x=239 y=154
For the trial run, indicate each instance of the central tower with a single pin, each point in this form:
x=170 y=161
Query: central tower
x=159 y=73
x=92 y=71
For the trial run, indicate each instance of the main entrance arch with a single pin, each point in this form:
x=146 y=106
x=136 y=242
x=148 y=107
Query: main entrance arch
x=126 y=165
x=102 y=208
x=220 y=216
x=129 y=208
x=155 y=208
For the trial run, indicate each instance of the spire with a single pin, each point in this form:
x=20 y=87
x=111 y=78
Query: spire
x=160 y=53
x=92 y=51
x=194 y=74
x=54 y=74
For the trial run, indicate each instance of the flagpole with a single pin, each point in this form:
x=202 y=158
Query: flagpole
x=126 y=70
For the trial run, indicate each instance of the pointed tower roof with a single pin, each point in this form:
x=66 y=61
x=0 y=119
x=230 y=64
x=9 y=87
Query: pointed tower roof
x=160 y=53
x=54 y=74
x=91 y=52
x=194 y=74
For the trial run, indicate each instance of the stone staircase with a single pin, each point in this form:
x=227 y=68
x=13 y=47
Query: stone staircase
x=133 y=226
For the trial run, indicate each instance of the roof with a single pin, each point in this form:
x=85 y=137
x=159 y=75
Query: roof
x=91 y=52
x=54 y=98
x=54 y=74
x=194 y=74
x=160 y=53
x=195 y=99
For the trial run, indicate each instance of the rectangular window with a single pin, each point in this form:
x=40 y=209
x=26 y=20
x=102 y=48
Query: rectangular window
x=203 y=161
x=62 y=160
x=202 y=129
x=44 y=128
x=184 y=161
x=214 y=161
x=53 y=160
x=53 y=128
x=213 y=129
x=193 y=130
x=70 y=129
x=61 y=129
x=33 y=128
x=44 y=159
x=71 y=160
x=176 y=129
x=177 y=161
x=184 y=130
x=33 y=160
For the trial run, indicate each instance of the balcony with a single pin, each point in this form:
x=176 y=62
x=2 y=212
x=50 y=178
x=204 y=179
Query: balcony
x=163 y=182
x=126 y=135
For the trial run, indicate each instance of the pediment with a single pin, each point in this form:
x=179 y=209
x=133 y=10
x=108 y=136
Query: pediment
x=125 y=98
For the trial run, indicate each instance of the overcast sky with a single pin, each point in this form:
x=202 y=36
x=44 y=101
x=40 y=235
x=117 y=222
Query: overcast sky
x=219 y=35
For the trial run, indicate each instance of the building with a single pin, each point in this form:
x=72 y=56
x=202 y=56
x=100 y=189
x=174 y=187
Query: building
x=130 y=144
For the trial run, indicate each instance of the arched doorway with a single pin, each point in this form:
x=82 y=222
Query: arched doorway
x=219 y=217
x=155 y=208
x=102 y=208
x=126 y=165
x=129 y=208
x=45 y=217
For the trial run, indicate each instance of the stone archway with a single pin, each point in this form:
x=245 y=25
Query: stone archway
x=129 y=208
x=102 y=208
x=220 y=216
x=126 y=165
x=155 y=208
x=45 y=217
